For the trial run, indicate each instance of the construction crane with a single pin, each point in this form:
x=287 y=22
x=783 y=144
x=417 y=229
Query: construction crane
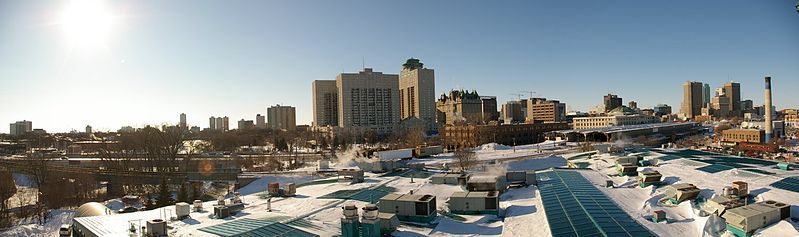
x=517 y=95
x=531 y=93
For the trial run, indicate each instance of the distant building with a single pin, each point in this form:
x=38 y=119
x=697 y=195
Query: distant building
x=464 y=136
x=245 y=124
x=621 y=116
x=126 y=129
x=281 y=117
x=612 y=102
x=182 y=123
x=540 y=110
x=368 y=100
x=733 y=92
x=693 y=98
x=417 y=88
x=662 y=109
x=747 y=106
x=194 y=129
x=632 y=105
x=512 y=112
x=720 y=105
x=706 y=94
x=325 y=103
x=88 y=129
x=743 y=135
x=260 y=121
x=20 y=128
x=219 y=123
x=459 y=106
x=489 y=108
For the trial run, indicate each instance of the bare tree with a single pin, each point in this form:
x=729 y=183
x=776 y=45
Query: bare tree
x=7 y=190
x=466 y=159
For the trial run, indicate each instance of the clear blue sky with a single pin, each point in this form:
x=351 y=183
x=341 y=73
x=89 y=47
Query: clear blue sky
x=236 y=58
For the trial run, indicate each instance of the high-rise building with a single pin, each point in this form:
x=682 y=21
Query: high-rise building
x=692 y=99
x=459 y=106
x=720 y=104
x=325 y=102
x=632 y=104
x=88 y=129
x=747 y=105
x=733 y=92
x=706 y=95
x=218 y=123
x=488 y=108
x=260 y=121
x=547 y=111
x=20 y=128
x=182 y=123
x=245 y=124
x=368 y=100
x=512 y=112
x=212 y=123
x=611 y=102
x=417 y=88
x=281 y=117
x=662 y=109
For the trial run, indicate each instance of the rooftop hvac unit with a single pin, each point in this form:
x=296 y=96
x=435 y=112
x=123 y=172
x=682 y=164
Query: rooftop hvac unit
x=156 y=227
x=350 y=212
x=290 y=190
x=370 y=212
x=198 y=205
x=182 y=210
x=221 y=212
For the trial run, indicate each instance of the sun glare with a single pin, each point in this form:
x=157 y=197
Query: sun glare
x=87 y=23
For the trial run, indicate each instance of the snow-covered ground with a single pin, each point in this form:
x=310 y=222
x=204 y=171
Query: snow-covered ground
x=522 y=211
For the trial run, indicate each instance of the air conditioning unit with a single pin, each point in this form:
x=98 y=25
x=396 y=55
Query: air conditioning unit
x=156 y=228
x=182 y=210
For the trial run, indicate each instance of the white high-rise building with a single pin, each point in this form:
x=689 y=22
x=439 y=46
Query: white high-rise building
x=368 y=100
x=20 y=128
x=260 y=121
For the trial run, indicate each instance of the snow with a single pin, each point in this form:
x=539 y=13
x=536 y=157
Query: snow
x=522 y=211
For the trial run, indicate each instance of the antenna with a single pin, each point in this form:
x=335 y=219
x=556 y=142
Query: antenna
x=530 y=92
x=518 y=95
x=363 y=62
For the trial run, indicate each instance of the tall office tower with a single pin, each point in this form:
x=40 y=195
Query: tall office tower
x=417 y=88
x=20 y=128
x=692 y=99
x=182 y=123
x=260 y=121
x=720 y=105
x=769 y=111
x=632 y=104
x=512 y=112
x=459 y=106
x=706 y=94
x=325 y=103
x=488 y=108
x=212 y=123
x=547 y=111
x=612 y=102
x=281 y=117
x=88 y=129
x=368 y=100
x=733 y=92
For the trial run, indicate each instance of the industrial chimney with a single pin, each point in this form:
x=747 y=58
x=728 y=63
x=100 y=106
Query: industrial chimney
x=769 y=128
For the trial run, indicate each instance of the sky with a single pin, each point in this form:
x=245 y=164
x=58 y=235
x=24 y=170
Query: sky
x=68 y=64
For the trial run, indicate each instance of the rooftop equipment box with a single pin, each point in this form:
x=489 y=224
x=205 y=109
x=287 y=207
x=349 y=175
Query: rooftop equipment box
x=745 y=220
x=182 y=210
x=409 y=207
x=474 y=203
x=483 y=183
x=681 y=192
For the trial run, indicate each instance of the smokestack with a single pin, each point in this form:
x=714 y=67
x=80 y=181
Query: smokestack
x=769 y=129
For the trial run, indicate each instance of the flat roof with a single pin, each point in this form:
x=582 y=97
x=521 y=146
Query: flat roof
x=625 y=128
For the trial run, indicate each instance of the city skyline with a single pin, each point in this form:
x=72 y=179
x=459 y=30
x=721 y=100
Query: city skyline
x=78 y=84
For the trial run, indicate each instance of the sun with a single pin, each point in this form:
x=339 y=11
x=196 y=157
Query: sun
x=87 y=23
